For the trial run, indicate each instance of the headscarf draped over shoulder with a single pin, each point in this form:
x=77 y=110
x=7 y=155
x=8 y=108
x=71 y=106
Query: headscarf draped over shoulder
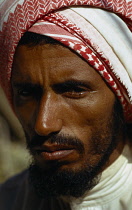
x=98 y=30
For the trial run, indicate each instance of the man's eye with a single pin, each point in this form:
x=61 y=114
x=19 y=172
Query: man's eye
x=25 y=92
x=72 y=89
x=75 y=92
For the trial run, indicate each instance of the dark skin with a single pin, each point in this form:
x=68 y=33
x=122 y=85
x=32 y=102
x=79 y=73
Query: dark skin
x=57 y=92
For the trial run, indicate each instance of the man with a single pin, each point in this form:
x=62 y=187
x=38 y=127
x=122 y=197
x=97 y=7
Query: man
x=69 y=83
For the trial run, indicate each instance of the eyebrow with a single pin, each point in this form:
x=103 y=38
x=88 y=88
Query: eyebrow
x=59 y=87
x=69 y=84
x=72 y=83
x=25 y=84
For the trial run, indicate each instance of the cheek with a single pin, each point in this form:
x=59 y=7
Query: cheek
x=91 y=123
x=26 y=114
x=93 y=111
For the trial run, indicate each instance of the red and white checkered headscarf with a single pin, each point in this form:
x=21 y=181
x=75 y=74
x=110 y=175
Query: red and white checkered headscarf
x=102 y=38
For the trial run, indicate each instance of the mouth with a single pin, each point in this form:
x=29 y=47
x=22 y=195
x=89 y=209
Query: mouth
x=53 y=152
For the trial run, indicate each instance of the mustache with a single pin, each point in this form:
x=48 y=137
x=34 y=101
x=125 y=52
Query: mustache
x=58 y=139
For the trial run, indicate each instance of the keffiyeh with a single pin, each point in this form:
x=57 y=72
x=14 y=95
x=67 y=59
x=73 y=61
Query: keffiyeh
x=101 y=36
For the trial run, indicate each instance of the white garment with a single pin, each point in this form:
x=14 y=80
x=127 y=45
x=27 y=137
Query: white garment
x=114 y=191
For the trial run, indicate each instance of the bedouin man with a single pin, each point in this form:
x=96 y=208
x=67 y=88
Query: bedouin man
x=65 y=67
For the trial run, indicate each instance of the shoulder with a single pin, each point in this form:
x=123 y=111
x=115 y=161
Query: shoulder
x=14 y=182
x=16 y=193
x=10 y=190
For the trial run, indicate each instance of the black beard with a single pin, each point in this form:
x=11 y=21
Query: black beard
x=55 y=182
x=65 y=183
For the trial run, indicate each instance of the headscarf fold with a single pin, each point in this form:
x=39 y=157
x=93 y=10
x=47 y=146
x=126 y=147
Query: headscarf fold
x=102 y=38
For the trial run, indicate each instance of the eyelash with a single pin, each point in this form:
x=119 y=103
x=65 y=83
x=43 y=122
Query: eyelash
x=76 y=89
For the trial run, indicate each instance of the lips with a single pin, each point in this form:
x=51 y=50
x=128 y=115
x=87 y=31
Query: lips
x=53 y=152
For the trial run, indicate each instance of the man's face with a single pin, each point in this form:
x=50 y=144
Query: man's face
x=66 y=110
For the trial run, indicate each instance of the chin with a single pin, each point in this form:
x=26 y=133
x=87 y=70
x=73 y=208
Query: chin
x=56 y=182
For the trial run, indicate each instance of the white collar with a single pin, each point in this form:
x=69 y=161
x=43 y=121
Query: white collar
x=114 y=181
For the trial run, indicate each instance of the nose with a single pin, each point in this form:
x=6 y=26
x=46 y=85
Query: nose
x=48 y=119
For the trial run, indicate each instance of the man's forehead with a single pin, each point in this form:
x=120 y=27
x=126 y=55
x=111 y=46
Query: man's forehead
x=61 y=63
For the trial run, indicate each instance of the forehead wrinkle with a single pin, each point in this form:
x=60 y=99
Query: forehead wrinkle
x=42 y=64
